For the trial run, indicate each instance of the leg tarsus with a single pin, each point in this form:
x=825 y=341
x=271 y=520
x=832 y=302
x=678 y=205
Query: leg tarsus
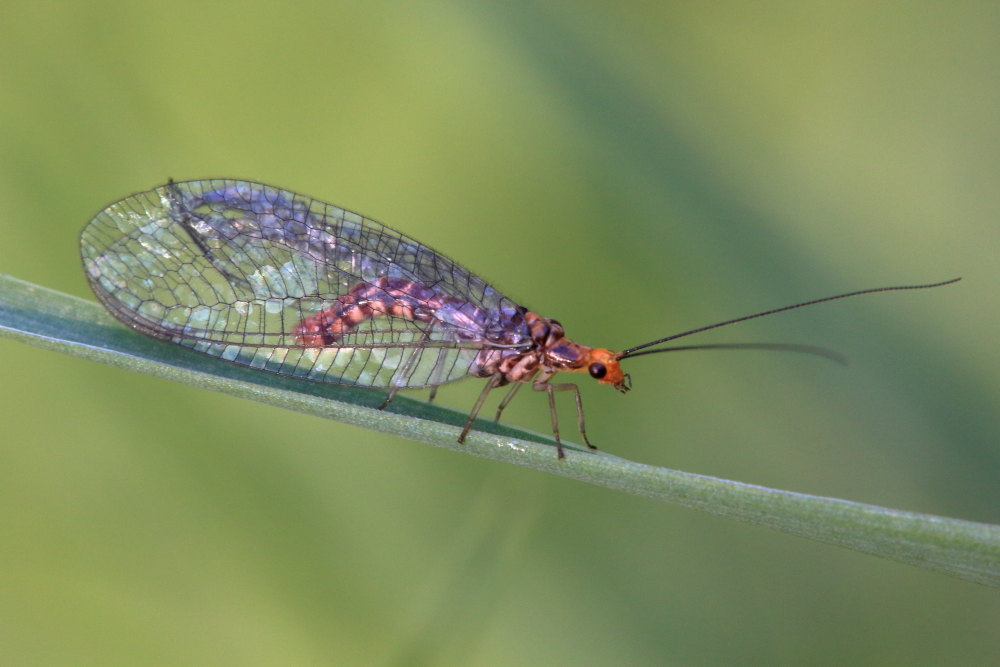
x=388 y=398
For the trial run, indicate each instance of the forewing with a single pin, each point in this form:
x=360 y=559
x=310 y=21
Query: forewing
x=230 y=268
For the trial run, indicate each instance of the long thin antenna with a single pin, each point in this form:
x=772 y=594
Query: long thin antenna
x=770 y=347
x=632 y=350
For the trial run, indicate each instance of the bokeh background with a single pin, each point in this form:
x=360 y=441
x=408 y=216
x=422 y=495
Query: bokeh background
x=631 y=170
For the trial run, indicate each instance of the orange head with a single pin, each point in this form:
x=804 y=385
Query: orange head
x=603 y=366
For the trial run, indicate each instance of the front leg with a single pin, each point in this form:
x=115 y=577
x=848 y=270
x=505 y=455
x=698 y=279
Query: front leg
x=542 y=384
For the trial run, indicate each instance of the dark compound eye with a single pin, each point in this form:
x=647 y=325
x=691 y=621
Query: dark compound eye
x=597 y=370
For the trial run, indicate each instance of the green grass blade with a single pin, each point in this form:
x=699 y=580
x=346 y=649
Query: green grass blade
x=56 y=321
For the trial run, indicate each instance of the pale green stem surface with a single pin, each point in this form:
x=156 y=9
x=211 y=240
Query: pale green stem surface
x=56 y=321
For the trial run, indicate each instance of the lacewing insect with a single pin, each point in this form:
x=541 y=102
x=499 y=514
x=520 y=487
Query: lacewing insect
x=281 y=282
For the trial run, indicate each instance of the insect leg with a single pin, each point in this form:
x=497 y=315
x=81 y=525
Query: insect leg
x=436 y=377
x=493 y=382
x=388 y=398
x=508 y=398
x=579 y=409
x=543 y=385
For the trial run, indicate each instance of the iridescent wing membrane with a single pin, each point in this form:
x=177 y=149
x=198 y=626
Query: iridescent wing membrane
x=231 y=268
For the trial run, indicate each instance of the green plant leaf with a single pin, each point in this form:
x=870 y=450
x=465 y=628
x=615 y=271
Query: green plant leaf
x=60 y=322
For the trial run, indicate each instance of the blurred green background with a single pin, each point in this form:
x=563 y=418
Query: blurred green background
x=631 y=170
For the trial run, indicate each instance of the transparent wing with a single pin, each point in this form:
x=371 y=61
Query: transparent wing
x=231 y=268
